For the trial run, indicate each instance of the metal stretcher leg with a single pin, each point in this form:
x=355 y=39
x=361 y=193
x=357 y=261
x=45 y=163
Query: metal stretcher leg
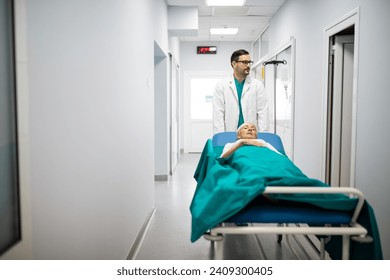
x=217 y=242
x=218 y=250
x=322 y=248
x=346 y=243
x=279 y=237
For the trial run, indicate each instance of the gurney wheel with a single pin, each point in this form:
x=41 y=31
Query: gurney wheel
x=362 y=239
x=210 y=237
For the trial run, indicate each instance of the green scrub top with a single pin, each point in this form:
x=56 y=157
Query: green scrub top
x=239 y=87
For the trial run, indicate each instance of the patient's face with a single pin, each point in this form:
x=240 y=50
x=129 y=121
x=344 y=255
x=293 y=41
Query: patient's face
x=248 y=131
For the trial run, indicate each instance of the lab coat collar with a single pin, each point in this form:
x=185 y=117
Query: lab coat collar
x=233 y=85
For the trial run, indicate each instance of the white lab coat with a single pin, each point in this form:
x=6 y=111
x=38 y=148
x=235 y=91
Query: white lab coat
x=254 y=104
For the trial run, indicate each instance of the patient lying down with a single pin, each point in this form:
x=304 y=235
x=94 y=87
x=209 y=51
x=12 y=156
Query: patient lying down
x=227 y=184
x=247 y=136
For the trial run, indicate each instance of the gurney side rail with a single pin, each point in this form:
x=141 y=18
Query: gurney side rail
x=316 y=190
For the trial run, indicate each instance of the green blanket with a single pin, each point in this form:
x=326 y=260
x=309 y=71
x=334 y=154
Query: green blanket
x=225 y=186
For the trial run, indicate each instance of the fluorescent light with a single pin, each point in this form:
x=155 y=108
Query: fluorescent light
x=225 y=2
x=223 y=31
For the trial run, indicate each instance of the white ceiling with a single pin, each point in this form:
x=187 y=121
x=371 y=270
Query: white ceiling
x=251 y=19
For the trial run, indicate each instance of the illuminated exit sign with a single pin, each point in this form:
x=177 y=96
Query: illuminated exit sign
x=206 y=50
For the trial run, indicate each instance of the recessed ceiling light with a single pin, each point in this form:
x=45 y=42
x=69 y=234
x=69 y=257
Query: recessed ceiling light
x=223 y=31
x=225 y=2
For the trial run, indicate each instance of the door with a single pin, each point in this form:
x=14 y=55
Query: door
x=277 y=72
x=284 y=100
x=269 y=85
x=340 y=109
x=199 y=109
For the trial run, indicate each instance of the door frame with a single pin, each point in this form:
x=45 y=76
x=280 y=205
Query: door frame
x=174 y=123
x=161 y=115
x=341 y=111
x=350 y=19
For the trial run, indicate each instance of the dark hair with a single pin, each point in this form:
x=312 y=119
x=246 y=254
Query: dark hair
x=236 y=55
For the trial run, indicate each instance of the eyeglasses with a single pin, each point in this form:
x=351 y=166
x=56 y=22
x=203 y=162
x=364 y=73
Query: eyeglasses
x=246 y=62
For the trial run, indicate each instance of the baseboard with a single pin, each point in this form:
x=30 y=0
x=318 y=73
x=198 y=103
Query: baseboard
x=140 y=237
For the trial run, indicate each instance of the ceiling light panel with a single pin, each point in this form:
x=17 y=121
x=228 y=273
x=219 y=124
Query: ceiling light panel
x=223 y=31
x=225 y=2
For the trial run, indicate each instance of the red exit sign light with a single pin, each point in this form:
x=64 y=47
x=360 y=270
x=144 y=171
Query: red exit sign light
x=206 y=50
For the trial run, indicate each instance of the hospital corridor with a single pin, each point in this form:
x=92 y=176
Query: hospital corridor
x=140 y=130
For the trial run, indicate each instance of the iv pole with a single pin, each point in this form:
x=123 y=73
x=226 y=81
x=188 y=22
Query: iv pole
x=275 y=63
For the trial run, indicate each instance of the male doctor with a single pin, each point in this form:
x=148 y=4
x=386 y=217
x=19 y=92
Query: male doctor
x=239 y=98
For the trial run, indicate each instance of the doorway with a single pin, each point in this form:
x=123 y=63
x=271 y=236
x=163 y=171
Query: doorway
x=198 y=108
x=161 y=106
x=340 y=110
x=340 y=103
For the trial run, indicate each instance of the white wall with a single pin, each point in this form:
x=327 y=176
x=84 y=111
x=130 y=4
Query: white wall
x=160 y=19
x=91 y=122
x=174 y=48
x=191 y=61
x=182 y=21
x=372 y=155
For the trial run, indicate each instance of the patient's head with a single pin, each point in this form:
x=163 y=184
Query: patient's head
x=247 y=131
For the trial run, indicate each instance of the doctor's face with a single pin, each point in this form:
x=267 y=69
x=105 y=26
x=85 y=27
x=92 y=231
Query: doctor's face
x=243 y=65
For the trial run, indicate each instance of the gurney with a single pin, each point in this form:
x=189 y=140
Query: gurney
x=226 y=198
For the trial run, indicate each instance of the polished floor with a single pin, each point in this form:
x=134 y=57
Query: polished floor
x=168 y=234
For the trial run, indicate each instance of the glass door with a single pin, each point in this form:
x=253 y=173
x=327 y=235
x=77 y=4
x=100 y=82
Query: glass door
x=284 y=100
x=277 y=73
